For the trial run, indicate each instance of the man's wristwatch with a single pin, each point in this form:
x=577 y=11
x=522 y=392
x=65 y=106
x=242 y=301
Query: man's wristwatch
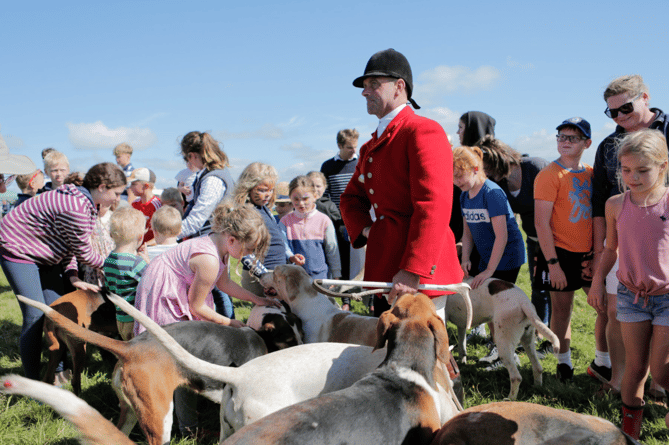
x=552 y=261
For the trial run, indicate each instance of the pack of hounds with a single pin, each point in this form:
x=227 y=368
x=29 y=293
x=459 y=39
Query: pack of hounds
x=314 y=375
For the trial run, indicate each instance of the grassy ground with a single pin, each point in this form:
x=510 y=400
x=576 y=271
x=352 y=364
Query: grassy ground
x=24 y=421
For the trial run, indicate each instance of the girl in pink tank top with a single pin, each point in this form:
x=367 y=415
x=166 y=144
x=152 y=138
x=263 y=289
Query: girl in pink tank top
x=637 y=224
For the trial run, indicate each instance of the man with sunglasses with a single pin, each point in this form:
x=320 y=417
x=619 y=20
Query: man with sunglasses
x=627 y=101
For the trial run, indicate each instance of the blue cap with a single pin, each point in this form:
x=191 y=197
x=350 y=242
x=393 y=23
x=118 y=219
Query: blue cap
x=579 y=123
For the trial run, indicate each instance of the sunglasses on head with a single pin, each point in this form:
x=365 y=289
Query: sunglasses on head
x=624 y=108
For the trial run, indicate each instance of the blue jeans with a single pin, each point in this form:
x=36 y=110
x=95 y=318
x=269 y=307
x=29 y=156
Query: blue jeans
x=39 y=283
x=541 y=299
x=223 y=303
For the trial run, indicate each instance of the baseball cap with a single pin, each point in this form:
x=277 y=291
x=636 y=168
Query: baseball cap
x=579 y=123
x=142 y=174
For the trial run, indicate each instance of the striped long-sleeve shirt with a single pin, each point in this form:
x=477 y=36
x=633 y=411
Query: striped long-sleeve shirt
x=52 y=227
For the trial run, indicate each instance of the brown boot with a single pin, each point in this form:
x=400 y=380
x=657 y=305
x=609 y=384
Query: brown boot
x=632 y=418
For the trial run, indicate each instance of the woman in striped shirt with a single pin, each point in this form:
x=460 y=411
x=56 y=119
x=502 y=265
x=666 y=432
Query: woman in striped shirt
x=49 y=229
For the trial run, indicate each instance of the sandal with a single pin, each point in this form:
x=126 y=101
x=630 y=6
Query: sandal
x=607 y=390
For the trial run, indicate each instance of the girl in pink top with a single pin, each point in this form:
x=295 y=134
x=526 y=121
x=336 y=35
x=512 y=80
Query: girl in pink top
x=637 y=223
x=176 y=285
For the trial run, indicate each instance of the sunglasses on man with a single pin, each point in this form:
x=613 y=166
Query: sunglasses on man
x=624 y=108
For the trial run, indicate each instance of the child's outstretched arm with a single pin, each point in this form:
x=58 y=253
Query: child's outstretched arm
x=235 y=290
x=608 y=257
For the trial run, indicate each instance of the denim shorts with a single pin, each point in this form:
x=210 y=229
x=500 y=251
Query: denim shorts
x=657 y=309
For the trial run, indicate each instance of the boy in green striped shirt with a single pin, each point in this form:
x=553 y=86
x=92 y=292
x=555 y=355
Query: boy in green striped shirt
x=125 y=265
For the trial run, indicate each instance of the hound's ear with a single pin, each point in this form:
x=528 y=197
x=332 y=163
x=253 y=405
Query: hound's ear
x=441 y=346
x=386 y=321
x=292 y=280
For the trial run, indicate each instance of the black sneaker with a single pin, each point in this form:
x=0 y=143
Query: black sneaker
x=601 y=373
x=498 y=363
x=545 y=348
x=565 y=373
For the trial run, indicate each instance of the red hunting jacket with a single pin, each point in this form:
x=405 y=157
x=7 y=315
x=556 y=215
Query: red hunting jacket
x=406 y=176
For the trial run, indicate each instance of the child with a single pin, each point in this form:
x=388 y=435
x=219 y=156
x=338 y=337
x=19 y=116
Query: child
x=29 y=185
x=172 y=197
x=282 y=204
x=56 y=167
x=38 y=235
x=177 y=284
x=638 y=235
x=563 y=219
x=488 y=222
x=256 y=186
x=310 y=232
x=125 y=265
x=142 y=181
x=166 y=223
x=122 y=153
x=489 y=225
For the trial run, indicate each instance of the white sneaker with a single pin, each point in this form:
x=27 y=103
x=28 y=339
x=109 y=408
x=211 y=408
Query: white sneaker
x=491 y=357
x=498 y=363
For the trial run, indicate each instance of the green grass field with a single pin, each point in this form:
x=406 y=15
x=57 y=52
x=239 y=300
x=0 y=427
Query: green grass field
x=25 y=422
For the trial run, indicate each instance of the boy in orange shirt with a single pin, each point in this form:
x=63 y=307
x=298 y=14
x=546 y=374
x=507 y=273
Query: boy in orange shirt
x=563 y=218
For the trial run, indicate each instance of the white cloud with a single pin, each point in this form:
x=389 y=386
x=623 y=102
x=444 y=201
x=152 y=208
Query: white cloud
x=515 y=64
x=443 y=80
x=267 y=131
x=540 y=143
x=445 y=116
x=97 y=136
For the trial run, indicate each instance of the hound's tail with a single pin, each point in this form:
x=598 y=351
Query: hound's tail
x=219 y=373
x=531 y=314
x=119 y=348
x=94 y=428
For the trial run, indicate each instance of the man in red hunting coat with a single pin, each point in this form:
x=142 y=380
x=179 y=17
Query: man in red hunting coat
x=405 y=175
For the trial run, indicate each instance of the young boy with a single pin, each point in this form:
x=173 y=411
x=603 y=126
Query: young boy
x=124 y=266
x=142 y=181
x=172 y=197
x=122 y=153
x=166 y=223
x=563 y=219
x=56 y=167
x=29 y=185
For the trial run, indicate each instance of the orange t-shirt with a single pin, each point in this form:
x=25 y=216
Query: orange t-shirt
x=570 y=191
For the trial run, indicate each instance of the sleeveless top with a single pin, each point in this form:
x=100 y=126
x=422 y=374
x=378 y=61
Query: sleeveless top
x=643 y=247
x=223 y=175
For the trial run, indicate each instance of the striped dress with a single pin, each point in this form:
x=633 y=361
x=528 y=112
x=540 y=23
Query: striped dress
x=51 y=228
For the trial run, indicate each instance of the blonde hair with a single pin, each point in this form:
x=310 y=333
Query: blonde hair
x=301 y=181
x=243 y=222
x=122 y=149
x=649 y=144
x=465 y=158
x=166 y=221
x=631 y=84
x=23 y=181
x=126 y=224
x=213 y=157
x=254 y=174
x=53 y=158
x=314 y=174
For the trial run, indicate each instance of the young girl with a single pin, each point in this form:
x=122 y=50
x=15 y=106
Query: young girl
x=638 y=235
x=37 y=236
x=177 y=285
x=310 y=232
x=488 y=220
x=202 y=153
x=256 y=186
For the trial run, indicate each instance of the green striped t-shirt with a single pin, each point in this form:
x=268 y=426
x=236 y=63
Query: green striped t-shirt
x=122 y=274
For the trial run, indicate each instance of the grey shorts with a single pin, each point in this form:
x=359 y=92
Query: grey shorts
x=656 y=311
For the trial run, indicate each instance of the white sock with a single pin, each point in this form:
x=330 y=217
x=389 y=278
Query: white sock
x=602 y=359
x=565 y=358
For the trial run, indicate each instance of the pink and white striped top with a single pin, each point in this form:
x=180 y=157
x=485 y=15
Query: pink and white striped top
x=52 y=227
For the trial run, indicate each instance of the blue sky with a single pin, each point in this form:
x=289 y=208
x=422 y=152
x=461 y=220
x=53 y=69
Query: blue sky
x=272 y=80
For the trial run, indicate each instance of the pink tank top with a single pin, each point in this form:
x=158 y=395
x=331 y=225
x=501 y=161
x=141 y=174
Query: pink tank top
x=643 y=247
